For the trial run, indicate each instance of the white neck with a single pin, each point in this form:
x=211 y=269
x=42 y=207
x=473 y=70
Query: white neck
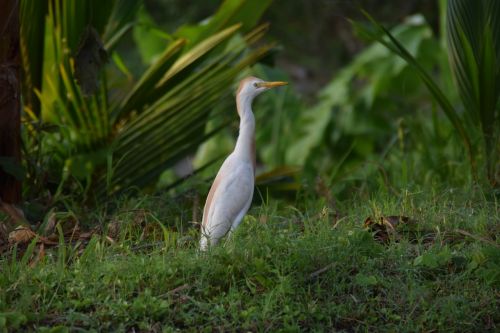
x=245 y=145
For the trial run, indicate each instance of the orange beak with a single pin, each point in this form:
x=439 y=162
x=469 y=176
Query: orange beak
x=271 y=84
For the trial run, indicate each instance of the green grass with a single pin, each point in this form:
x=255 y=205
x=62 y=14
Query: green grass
x=288 y=268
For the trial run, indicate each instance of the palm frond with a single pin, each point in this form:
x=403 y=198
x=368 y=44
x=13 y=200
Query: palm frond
x=162 y=118
x=32 y=46
x=473 y=36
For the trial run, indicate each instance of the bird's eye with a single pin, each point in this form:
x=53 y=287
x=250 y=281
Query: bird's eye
x=255 y=85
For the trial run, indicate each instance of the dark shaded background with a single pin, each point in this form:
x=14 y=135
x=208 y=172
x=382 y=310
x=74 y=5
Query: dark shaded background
x=315 y=36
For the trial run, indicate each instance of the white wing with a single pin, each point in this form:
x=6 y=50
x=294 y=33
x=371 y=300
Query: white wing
x=228 y=199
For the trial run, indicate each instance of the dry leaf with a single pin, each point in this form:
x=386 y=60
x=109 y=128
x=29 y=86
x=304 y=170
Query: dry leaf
x=89 y=60
x=114 y=229
x=110 y=240
x=385 y=227
x=88 y=234
x=140 y=217
x=21 y=235
x=16 y=215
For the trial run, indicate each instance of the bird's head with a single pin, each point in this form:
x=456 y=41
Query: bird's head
x=251 y=87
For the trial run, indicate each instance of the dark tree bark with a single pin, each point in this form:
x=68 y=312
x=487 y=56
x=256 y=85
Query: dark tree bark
x=10 y=98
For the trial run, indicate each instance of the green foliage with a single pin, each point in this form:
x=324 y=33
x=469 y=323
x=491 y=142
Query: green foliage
x=485 y=264
x=149 y=38
x=277 y=113
x=369 y=115
x=12 y=167
x=109 y=137
x=473 y=40
x=376 y=124
x=473 y=34
x=11 y=320
x=434 y=259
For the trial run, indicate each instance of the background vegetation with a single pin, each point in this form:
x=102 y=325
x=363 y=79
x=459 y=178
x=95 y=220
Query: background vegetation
x=377 y=202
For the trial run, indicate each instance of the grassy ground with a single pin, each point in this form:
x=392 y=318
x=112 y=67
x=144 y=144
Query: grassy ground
x=288 y=268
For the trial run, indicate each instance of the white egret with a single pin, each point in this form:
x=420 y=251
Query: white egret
x=232 y=190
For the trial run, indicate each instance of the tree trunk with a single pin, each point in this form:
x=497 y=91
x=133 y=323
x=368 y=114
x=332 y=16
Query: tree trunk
x=10 y=100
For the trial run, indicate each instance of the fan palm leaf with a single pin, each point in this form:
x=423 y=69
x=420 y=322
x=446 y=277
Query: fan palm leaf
x=111 y=145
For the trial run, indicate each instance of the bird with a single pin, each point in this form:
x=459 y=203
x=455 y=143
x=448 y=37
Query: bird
x=231 y=192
